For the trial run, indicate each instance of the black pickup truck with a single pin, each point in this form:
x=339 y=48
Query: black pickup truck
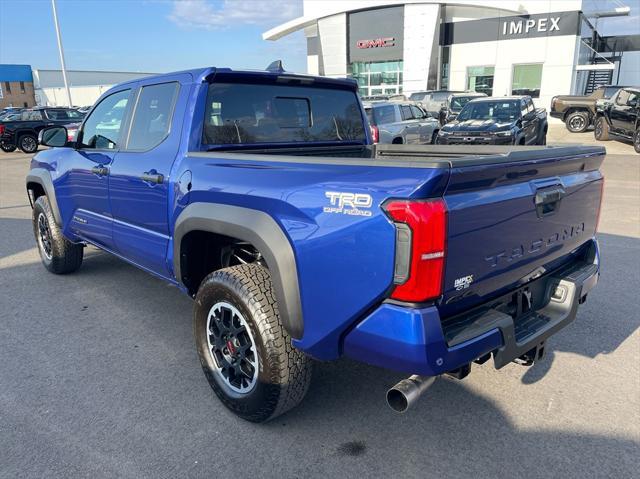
x=620 y=117
x=23 y=133
x=510 y=120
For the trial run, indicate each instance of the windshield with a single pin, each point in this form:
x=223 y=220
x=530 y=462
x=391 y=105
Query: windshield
x=258 y=113
x=417 y=96
x=499 y=111
x=457 y=102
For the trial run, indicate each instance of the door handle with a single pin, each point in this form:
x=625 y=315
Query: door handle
x=547 y=201
x=150 y=177
x=100 y=170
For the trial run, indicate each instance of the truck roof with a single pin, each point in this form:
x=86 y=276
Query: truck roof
x=205 y=73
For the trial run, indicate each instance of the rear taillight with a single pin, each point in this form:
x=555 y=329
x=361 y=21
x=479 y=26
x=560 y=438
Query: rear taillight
x=375 y=134
x=421 y=231
x=1 y=129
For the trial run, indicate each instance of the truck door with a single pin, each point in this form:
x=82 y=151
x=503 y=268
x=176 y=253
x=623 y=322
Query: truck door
x=139 y=187
x=529 y=121
x=619 y=111
x=82 y=193
x=627 y=114
x=410 y=125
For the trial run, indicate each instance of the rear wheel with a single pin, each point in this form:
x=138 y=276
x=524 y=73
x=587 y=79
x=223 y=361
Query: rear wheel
x=636 y=141
x=28 y=143
x=245 y=353
x=8 y=148
x=601 y=131
x=58 y=254
x=577 y=121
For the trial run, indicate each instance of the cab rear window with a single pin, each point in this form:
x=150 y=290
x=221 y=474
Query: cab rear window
x=244 y=113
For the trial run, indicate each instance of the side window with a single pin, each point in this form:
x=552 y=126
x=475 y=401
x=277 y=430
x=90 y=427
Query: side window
x=101 y=129
x=523 y=107
x=417 y=112
x=530 y=107
x=633 y=99
x=152 y=116
x=406 y=112
x=623 y=96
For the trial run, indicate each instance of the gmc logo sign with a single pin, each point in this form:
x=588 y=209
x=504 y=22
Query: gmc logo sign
x=376 y=43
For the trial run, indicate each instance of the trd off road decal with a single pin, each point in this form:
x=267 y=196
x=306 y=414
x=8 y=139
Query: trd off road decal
x=354 y=204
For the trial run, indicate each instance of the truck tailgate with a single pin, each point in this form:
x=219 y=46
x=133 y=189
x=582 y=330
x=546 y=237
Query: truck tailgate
x=512 y=219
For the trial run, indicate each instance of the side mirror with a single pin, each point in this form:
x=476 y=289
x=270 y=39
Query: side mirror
x=519 y=122
x=56 y=136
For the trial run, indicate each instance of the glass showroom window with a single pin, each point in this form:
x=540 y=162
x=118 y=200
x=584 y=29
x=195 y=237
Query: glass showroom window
x=480 y=79
x=527 y=80
x=377 y=78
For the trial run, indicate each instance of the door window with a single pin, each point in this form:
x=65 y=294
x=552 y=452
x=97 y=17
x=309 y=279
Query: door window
x=101 y=130
x=417 y=112
x=633 y=99
x=406 y=112
x=622 y=98
x=152 y=116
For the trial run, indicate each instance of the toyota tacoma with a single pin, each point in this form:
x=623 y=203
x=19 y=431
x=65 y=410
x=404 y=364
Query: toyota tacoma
x=261 y=196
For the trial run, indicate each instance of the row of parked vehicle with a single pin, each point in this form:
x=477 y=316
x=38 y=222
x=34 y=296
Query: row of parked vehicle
x=613 y=111
x=19 y=128
x=450 y=117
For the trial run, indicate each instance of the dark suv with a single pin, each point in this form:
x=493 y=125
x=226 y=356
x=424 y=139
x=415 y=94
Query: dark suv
x=620 y=117
x=23 y=132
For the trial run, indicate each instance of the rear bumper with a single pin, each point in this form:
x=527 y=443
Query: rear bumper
x=417 y=341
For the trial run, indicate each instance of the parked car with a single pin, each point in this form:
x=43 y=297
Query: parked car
x=84 y=109
x=260 y=195
x=401 y=122
x=23 y=132
x=497 y=121
x=454 y=104
x=433 y=101
x=578 y=111
x=620 y=117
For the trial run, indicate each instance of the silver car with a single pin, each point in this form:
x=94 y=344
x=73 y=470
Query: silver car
x=401 y=122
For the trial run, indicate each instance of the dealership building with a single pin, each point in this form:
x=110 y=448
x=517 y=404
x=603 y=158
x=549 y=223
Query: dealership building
x=541 y=47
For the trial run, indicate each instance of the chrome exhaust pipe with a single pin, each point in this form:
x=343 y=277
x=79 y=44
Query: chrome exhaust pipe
x=401 y=396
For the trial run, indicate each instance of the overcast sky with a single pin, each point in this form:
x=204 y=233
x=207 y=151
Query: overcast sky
x=161 y=36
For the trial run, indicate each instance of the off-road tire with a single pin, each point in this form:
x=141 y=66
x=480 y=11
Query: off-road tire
x=636 y=141
x=577 y=121
x=601 y=130
x=28 y=143
x=284 y=373
x=64 y=256
x=8 y=148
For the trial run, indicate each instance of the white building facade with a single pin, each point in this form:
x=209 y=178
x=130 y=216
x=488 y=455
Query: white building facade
x=542 y=47
x=85 y=86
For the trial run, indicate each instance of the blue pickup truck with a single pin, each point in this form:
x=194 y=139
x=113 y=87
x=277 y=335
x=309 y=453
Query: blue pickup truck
x=261 y=195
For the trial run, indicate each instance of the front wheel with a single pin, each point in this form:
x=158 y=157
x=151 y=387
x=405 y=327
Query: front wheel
x=8 y=148
x=601 y=130
x=245 y=352
x=58 y=254
x=28 y=144
x=636 y=141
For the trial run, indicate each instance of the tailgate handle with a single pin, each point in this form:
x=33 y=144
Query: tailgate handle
x=548 y=200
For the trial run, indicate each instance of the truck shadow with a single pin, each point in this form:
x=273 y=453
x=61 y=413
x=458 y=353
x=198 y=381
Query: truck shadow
x=610 y=314
x=16 y=236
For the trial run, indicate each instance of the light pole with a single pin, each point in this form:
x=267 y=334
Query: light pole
x=64 y=68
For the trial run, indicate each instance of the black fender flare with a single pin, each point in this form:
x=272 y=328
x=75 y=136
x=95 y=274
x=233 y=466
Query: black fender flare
x=42 y=177
x=262 y=231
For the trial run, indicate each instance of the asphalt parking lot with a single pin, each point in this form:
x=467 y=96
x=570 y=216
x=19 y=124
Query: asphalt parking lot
x=99 y=378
